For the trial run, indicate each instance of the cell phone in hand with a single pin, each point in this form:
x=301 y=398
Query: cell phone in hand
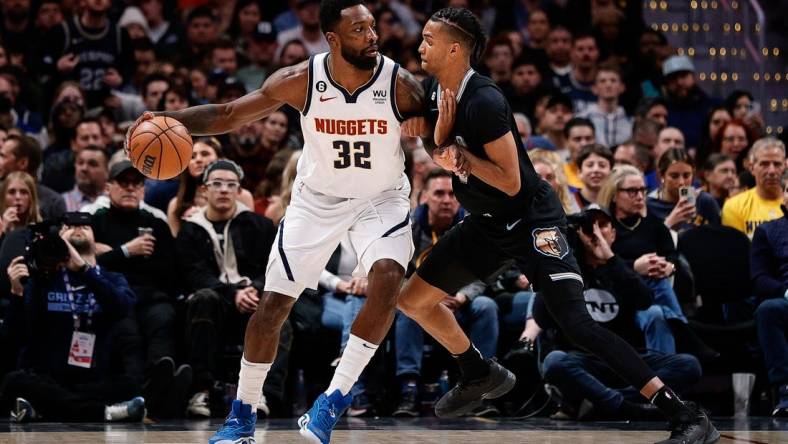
x=688 y=194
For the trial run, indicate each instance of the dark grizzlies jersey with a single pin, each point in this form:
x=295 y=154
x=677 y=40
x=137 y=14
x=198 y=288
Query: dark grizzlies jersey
x=97 y=49
x=483 y=115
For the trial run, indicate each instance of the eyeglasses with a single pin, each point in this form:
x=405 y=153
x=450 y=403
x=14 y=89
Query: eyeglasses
x=219 y=184
x=633 y=192
x=126 y=183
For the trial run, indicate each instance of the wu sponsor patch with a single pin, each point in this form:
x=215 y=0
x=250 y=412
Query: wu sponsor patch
x=550 y=242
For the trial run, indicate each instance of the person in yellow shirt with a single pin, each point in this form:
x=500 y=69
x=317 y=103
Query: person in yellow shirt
x=747 y=210
x=579 y=132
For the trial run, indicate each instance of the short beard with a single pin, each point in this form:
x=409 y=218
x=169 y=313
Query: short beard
x=82 y=245
x=359 y=61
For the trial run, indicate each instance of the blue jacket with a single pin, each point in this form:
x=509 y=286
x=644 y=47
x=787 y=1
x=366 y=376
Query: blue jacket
x=45 y=325
x=769 y=258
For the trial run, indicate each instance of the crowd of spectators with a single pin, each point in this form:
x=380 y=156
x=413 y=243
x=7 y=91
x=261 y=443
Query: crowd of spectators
x=121 y=293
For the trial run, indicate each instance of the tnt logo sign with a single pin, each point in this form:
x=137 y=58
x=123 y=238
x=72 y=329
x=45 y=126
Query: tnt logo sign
x=379 y=96
x=601 y=305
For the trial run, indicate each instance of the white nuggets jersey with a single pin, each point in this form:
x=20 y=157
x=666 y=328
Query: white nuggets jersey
x=351 y=141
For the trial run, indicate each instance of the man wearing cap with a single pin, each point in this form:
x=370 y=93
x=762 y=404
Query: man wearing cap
x=134 y=242
x=223 y=249
x=557 y=112
x=688 y=105
x=613 y=294
x=261 y=52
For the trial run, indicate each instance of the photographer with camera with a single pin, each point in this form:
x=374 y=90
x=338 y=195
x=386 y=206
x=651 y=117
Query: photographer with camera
x=63 y=310
x=613 y=293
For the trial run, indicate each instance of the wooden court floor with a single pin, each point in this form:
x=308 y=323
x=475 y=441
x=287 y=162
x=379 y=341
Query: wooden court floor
x=384 y=431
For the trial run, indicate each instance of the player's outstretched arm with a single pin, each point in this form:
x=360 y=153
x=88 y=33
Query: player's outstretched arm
x=287 y=85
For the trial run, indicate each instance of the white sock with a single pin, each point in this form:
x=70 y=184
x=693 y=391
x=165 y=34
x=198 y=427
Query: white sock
x=251 y=380
x=356 y=356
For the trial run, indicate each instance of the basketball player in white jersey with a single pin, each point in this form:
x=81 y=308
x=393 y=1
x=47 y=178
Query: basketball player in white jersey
x=350 y=181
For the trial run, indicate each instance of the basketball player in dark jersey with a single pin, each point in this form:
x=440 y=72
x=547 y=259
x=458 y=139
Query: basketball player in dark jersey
x=514 y=217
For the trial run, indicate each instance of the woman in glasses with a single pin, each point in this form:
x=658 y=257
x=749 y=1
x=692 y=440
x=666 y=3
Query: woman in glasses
x=645 y=242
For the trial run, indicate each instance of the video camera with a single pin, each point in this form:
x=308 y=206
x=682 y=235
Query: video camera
x=584 y=220
x=46 y=249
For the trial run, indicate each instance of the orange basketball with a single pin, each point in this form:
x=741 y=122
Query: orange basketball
x=160 y=148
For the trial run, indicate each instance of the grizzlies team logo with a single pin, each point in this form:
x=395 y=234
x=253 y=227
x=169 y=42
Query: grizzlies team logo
x=550 y=242
x=321 y=86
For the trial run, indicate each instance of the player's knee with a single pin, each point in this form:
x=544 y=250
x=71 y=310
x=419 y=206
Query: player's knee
x=388 y=272
x=411 y=304
x=272 y=311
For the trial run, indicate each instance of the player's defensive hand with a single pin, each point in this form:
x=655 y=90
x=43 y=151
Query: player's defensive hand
x=147 y=115
x=415 y=127
x=447 y=107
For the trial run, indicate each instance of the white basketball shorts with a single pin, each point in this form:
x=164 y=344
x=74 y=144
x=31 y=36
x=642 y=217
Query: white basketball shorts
x=314 y=224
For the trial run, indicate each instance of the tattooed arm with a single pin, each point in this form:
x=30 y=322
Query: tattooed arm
x=285 y=86
x=412 y=103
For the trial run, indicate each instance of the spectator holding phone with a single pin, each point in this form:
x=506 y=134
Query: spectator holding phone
x=676 y=201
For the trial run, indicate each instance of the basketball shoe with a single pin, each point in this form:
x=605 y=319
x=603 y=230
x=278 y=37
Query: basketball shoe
x=692 y=426
x=468 y=395
x=238 y=428
x=318 y=423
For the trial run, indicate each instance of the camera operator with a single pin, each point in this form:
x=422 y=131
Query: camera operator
x=63 y=310
x=613 y=294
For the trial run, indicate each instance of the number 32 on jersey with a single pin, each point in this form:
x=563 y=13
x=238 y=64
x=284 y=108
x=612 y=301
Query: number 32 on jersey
x=354 y=154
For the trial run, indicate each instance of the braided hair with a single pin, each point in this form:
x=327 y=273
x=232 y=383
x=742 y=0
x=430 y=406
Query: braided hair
x=466 y=28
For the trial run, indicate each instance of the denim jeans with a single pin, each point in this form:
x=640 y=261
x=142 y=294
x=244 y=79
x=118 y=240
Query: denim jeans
x=654 y=320
x=338 y=315
x=522 y=309
x=333 y=309
x=583 y=376
x=480 y=317
x=771 y=317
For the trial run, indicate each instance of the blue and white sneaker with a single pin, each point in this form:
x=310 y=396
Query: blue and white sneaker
x=238 y=428
x=317 y=424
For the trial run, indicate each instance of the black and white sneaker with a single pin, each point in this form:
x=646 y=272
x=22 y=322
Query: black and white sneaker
x=132 y=410
x=23 y=411
x=692 y=427
x=468 y=395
